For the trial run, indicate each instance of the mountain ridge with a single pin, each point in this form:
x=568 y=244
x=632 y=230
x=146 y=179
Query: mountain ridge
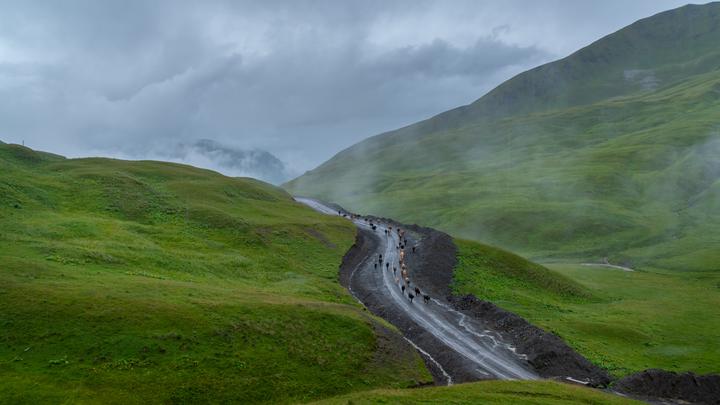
x=556 y=180
x=562 y=66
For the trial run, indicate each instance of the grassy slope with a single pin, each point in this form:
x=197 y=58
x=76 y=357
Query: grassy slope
x=137 y=282
x=624 y=321
x=486 y=392
x=633 y=177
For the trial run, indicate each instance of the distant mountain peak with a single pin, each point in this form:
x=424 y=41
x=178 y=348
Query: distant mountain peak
x=231 y=160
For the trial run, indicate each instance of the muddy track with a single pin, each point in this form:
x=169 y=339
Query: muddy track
x=662 y=387
x=460 y=339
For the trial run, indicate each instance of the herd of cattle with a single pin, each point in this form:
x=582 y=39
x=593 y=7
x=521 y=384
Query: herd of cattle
x=403 y=280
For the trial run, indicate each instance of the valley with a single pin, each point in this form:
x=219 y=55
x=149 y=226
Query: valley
x=555 y=241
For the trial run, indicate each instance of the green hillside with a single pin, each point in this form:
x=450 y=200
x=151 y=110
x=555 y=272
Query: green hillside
x=486 y=392
x=623 y=321
x=148 y=282
x=611 y=152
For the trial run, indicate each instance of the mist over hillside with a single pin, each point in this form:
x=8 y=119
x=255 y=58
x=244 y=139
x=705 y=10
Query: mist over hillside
x=608 y=153
x=210 y=154
x=229 y=160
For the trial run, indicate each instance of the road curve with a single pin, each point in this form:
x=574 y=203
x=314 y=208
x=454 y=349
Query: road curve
x=457 y=345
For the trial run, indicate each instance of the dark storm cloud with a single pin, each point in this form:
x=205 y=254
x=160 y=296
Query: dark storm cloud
x=299 y=79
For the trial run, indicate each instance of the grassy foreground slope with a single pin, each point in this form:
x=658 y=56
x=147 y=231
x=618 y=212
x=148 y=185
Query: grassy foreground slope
x=623 y=321
x=610 y=152
x=148 y=282
x=486 y=392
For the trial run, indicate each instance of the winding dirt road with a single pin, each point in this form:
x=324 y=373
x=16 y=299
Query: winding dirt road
x=457 y=347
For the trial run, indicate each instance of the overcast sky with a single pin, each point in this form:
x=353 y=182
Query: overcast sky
x=300 y=79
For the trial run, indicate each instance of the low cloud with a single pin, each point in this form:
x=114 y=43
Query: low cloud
x=300 y=80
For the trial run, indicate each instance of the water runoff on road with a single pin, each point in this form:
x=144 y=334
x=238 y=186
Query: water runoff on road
x=485 y=349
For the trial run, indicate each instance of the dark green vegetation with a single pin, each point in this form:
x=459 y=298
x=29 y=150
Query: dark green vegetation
x=148 y=282
x=486 y=392
x=623 y=321
x=610 y=152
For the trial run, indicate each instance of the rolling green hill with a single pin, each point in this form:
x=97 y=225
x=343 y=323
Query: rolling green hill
x=623 y=321
x=149 y=282
x=135 y=282
x=610 y=152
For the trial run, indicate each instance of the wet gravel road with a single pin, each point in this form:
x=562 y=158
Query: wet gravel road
x=456 y=347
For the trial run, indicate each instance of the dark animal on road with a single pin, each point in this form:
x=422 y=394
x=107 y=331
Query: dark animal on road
x=411 y=296
x=417 y=291
x=426 y=298
x=402 y=288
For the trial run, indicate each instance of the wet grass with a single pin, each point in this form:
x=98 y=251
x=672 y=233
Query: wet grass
x=487 y=392
x=147 y=282
x=623 y=321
